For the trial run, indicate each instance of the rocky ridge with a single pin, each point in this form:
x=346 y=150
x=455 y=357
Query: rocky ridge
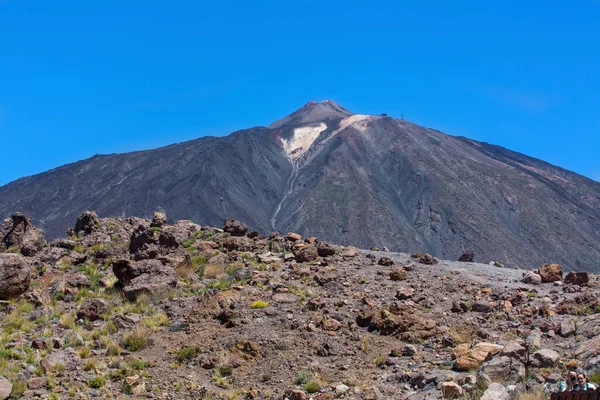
x=132 y=306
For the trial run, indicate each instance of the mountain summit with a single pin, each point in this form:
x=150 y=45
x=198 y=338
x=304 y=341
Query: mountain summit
x=348 y=178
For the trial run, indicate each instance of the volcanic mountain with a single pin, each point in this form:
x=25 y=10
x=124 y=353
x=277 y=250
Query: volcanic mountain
x=347 y=178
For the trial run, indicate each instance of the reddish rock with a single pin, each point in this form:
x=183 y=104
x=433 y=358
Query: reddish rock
x=577 y=278
x=294 y=394
x=398 y=274
x=305 y=252
x=92 y=309
x=15 y=275
x=332 y=324
x=551 y=272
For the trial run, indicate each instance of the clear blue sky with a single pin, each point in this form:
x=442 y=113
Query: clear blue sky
x=84 y=77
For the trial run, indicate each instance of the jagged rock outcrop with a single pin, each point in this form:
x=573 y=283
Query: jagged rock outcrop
x=15 y=275
x=22 y=235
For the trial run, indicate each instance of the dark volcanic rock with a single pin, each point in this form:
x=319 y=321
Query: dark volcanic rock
x=144 y=277
x=235 y=228
x=92 y=309
x=87 y=222
x=577 y=278
x=15 y=275
x=24 y=235
x=466 y=257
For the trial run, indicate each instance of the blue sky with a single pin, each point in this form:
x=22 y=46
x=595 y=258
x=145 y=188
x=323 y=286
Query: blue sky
x=84 y=77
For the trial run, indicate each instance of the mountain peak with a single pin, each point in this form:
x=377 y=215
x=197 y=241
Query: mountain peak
x=313 y=112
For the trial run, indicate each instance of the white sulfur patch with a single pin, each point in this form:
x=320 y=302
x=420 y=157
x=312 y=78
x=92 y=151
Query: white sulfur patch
x=357 y=121
x=302 y=140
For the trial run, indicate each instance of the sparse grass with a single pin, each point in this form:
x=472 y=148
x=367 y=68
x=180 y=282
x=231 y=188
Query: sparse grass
x=379 y=361
x=14 y=249
x=89 y=365
x=258 y=304
x=65 y=264
x=138 y=365
x=220 y=380
x=67 y=321
x=211 y=271
x=18 y=390
x=303 y=378
x=97 y=382
x=365 y=344
x=156 y=321
x=15 y=322
x=84 y=352
x=136 y=339
x=186 y=353
x=225 y=369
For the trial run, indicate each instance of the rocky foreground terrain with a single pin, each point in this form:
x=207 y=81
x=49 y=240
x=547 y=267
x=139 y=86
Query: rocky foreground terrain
x=127 y=307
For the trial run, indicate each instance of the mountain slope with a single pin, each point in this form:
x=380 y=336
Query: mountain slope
x=356 y=179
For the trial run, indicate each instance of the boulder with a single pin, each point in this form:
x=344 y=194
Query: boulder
x=577 y=278
x=24 y=235
x=325 y=250
x=67 y=359
x=5 y=388
x=531 y=278
x=295 y=394
x=159 y=219
x=146 y=276
x=551 y=272
x=398 y=321
x=385 y=261
x=15 y=275
x=305 y=252
x=545 y=358
x=482 y=306
x=398 y=274
x=326 y=275
x=514 y=350
x=470 y=359
x=87 y=222
x=148 y=243
x=425 y=258
x=495 y=391
x=405 y=293
x=451 y=390
x=578 y=305
x=92 y=309
x=234 y=227
x=567 y=328
x=503 y=369
x=466 y=256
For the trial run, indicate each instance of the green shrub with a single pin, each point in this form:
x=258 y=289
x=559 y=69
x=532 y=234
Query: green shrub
x=18 y=389
x=97 y=382
x=312 y=387
x=303 y=378
x=187 y=353
x=258 y=304
x=136 y=340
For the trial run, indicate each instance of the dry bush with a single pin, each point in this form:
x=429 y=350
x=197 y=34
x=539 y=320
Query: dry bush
x=213 y=270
